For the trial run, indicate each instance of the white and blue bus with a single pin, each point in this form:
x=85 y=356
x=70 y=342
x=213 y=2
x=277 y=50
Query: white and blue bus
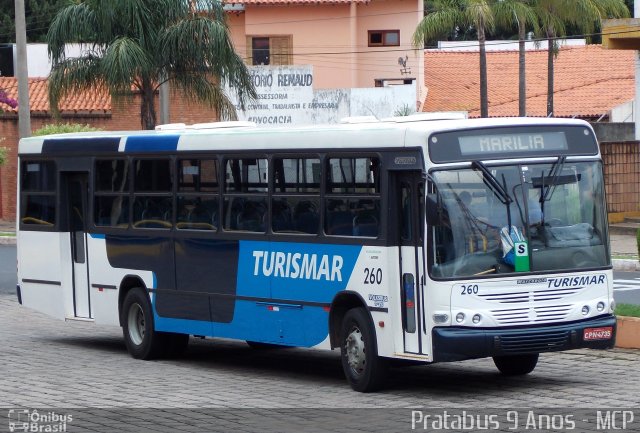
x=407 y=239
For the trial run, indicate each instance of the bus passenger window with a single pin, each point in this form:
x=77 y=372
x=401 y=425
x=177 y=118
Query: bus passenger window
x=245 y=195
x=296 y=196
x=111 y=201
x=152 y=211
x=352 y=204
x=38 y=198
x=197 y=204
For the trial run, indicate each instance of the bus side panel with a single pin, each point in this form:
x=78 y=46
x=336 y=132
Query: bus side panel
x=44 y=272
x=106 y=280
x=150 y=253
x=207 y=268
x=375 y=278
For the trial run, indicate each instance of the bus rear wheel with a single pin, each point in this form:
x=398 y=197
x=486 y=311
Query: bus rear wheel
x=516 y=365
x=140 y=337
x=364 y=369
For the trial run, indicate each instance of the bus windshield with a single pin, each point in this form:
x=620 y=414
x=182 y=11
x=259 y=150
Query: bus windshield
x=555 y=208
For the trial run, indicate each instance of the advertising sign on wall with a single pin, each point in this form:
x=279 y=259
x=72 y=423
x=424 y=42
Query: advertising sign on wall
x=286 y=96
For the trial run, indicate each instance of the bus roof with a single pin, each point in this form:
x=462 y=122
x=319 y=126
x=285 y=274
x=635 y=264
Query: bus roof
x=230 y=136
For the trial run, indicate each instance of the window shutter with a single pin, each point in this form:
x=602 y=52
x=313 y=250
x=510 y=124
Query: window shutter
x=280 y=47
x=249 y=60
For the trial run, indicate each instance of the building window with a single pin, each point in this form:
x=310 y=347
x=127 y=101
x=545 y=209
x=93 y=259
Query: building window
x=270 y=50
x=384 y=38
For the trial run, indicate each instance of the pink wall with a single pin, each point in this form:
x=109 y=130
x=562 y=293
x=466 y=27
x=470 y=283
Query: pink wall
x=333 y=38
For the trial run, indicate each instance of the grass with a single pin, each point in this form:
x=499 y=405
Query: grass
x=8 y=234
x=628 y=310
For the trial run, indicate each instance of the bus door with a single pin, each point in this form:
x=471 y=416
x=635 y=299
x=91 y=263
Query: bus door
x=410 y=220
x=75 y=205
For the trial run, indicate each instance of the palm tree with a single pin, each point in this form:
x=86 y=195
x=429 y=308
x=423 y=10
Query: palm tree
x=522 y=14
x=143 y=43
x=585 y=15
x=447 y=16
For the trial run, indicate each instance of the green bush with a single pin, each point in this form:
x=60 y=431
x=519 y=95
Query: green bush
x=64 y=128
x=3 y=155
x=628 y=310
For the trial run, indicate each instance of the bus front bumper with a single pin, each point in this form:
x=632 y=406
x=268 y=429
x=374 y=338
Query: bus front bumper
x=458 y=343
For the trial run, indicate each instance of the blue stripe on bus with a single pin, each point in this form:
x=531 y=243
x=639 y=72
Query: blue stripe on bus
x=290 y=271
x=294 y=271
x=151 y=143
x=97 y=236
x=84 y=145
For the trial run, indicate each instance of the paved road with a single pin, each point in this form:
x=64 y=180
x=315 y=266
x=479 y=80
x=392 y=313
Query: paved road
x=46 y=363
x=53 y=364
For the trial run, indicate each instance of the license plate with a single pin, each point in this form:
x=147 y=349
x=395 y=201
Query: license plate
x=598 y=333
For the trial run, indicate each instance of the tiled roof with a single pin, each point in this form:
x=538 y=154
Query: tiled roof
x=589 y=81
x=287 y=2
x=97 y=101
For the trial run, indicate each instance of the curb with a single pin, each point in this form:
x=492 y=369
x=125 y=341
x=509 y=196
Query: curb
x=628 y=333
x=7 y=240
x=625 y=265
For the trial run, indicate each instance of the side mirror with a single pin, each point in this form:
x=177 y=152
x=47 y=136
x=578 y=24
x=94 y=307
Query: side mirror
x=432 y=211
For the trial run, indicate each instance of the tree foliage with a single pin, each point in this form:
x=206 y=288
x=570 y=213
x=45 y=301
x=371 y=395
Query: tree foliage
x=142 y=43
x=38 y=15
x=584 y=15
x=64 y=128
x=448 y=16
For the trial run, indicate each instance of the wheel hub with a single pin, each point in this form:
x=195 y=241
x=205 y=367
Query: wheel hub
x=355 y=351
x=136 y=321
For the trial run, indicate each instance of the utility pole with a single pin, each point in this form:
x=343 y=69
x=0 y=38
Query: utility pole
x=24 y=110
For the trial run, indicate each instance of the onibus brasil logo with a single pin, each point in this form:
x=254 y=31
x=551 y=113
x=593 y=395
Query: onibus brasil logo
x=30 y=420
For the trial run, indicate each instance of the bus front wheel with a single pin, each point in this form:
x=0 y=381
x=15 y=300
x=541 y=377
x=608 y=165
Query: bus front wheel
x=364 y=369
x=140 y=337
x=516 y=365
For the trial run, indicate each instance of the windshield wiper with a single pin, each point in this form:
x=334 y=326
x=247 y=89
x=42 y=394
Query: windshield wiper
x=554 y=174
x=500 y=190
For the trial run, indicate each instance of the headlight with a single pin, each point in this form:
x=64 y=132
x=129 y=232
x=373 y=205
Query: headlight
x=476 y=318
x=601 y=306
x=460 y=317
x=585 y=310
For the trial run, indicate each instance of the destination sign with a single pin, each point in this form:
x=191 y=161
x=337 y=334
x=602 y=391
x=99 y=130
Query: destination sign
x=516 y=144
x=509 y=142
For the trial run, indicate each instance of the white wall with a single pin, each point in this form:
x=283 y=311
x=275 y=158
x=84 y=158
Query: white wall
x=622 y=113
x=503 y=45
x=38 y=62
x=286 y=97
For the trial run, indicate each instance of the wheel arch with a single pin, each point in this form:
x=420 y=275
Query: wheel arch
x=343 y=302
x=128 y=282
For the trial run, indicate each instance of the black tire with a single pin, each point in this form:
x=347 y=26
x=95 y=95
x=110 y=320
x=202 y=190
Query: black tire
x=140 y=336
x=264 y=346
x=364 y=369
x=516 y=365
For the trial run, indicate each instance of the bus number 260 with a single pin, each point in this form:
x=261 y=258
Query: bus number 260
x=471 y=289
x=372 y=275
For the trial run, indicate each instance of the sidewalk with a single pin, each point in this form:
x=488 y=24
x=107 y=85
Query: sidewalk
x=624 y=250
